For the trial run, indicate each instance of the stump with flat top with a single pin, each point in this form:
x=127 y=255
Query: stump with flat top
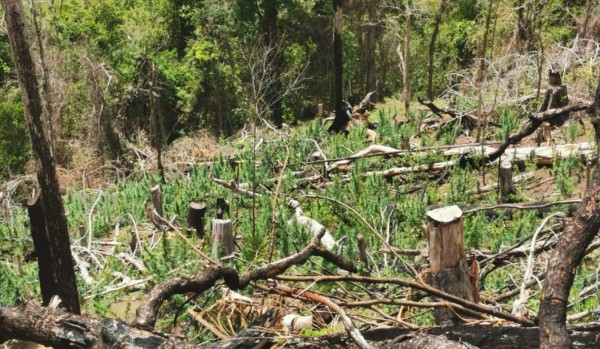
x=222 y=240
x=195 y=217
x=449 y=271
x=505 y=181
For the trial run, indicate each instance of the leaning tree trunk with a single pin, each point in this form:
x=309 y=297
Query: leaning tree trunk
x=436 y=29
x=340 y=121
x=568 y=255
x=271 y=38
x=63 y=273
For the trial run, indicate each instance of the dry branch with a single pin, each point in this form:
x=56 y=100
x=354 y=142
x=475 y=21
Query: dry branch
x=352 y=330
x=534 y=122
x=416 y=285
x=148 y=310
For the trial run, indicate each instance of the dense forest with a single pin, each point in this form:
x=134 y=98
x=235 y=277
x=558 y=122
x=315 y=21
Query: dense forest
x=300 y=173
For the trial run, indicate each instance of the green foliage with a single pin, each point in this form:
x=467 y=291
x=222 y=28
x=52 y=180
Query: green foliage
x=509 y=123
x=14 y=137
x=564 y=170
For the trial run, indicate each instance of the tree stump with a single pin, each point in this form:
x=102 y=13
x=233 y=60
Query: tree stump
x=157 y=200
x=223 y=243
x=222 y=207
x=505 y=181
x=362 y=250
x=449 y=271
x=556 y=96
x=320 y=113
x=195 y=217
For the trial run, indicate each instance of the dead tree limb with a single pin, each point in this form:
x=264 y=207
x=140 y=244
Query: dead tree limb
x=148 y=311
x=534 y=122
x=416 y=285
x=568 y=255
x=352 y=330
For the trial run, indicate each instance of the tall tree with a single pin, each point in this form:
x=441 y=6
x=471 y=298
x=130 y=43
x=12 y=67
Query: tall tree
x=373 y=31
x=341 y=120
x=436 y=29
x=55 y=222
x=406 y=58
x=271 y=42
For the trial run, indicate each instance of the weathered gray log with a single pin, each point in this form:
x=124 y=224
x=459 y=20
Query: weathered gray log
x=222 y=239
x=195 y=217
x=448 y=266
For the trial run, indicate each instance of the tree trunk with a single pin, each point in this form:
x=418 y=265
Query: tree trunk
x=340 y=121
x=271 y=38
x=372 y=34
x=157 y=132
x=505 y=181
x=223 y=242
x=39 y=235
x=195 y=217
x=436 y=29
x=55 y=221
x=481 y=69
x=568 y=255
x=46 y=89
x=406 y=60
x=447 y=262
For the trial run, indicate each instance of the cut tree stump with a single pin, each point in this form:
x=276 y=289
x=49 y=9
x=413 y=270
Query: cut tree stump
x=362 y=250
x=157 y=199
x=222 y=207
x=505 y=181
x=195 y=217
x=320 y=113
x=223 y=243
x=449 y=270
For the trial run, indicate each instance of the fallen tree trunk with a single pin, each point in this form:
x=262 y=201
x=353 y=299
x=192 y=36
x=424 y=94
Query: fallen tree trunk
x=53 y=327
x=541 y=155
x=483 y=337
x=57 y=328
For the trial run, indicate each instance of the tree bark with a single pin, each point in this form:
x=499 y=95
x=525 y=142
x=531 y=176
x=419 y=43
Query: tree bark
x=37 y=225
x=55 y=221
x=157 y=132
x=222 y=239
x=271 y=38
x=436 y=29
x=406 y=60
x=447 y=262
x=341 y=120
x=195 y=217
x=370 y=49
x=568 y=255
x=505 y=181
